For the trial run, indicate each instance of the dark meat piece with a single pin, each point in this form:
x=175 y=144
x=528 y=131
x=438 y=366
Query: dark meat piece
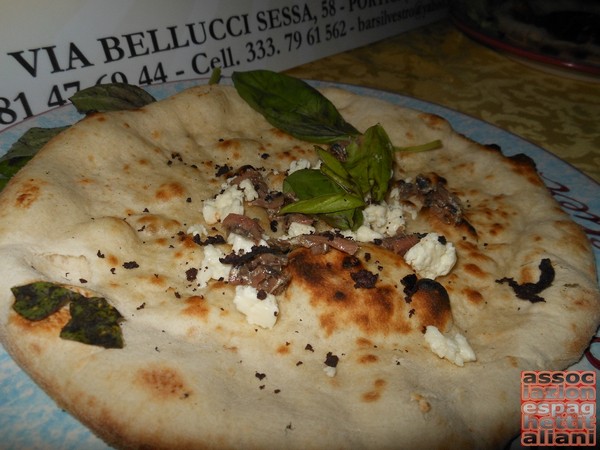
x=321 y=242
x=262 y=268
x=402 y=243
x=432 y=192
x=244 y=226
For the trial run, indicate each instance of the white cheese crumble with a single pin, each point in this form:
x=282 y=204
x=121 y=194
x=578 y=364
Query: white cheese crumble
x=211 y=267
x=298 y=164
x=197 y=229
x=249 y=191
x=258 y=312
x=231 y=200
x=330 y=371
x=298 y=229
x=430 y=258
x=239 y=242
x=384 y=218
x=456 y=349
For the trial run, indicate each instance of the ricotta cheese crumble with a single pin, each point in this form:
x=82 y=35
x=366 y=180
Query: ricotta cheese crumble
x=432 y=257
x=455 y=349
x=259 y=308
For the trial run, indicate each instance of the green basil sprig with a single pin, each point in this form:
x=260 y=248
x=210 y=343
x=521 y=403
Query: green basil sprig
x=93 y=320
x=23 y=150
x=110 y=97
x=293 y=106
x=339 y=190
x=99 y=98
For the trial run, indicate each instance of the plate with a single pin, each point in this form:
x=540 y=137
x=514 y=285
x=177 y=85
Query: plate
x=551 y=61
x=30 y=419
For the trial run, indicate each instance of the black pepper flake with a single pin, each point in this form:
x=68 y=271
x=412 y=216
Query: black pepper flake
x=191 y=274
x=222 y=170
x=274 y=225
x=112 y=270
x=364 y=279
x=299 y=363
x=277 y=391
x=265 y=156
x=261 y=294
x=188 y=200
x=142 y=306
x=410 y=283
x=411 y=312
x=100 y=254
x=259 y=375
x=367 y=256
x=210 y=240
x=331 y=360
x=309 y=348
x=530 y=291
x=82 y=280
x=349 y=262
x=131 y=265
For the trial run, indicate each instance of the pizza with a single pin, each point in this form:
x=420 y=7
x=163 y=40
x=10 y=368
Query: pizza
x=267 y=265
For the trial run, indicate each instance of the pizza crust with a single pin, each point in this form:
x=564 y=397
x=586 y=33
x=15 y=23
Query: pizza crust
x=122 y=188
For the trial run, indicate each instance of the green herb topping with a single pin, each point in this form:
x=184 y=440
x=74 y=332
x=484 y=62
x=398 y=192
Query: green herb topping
x=356 y=168
x=93 y=320
x=23 y=150
x=110 y=97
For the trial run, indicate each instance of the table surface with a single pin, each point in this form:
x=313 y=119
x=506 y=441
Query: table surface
x=555 y=110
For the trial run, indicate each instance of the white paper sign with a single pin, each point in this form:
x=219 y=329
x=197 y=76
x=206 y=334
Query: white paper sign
x=51 y=49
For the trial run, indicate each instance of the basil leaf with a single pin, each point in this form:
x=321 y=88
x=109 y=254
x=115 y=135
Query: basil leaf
x=308 y=183
x=344 y=220
x=323 y=197
x=324 y=204
x=23 y=150
x=110 y=97
x=293 y=106
x=370 y=162
x=95 y=322
x=37 y=301
x=335 y=170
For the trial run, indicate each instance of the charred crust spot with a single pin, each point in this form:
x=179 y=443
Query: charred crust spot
x=170 y=191
x=331 y=360
x=473 y=296
x=337 y=303
x=374 y=394
x=368 y=359
x=364 y=279
x=196 y=306
x=350 y=262
x=430 y=302
x=29 y=192
x=50 y=325
x=163 y=382
x=474 y=270
x=191 y=274
x=210 y=240
x=530 y=291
